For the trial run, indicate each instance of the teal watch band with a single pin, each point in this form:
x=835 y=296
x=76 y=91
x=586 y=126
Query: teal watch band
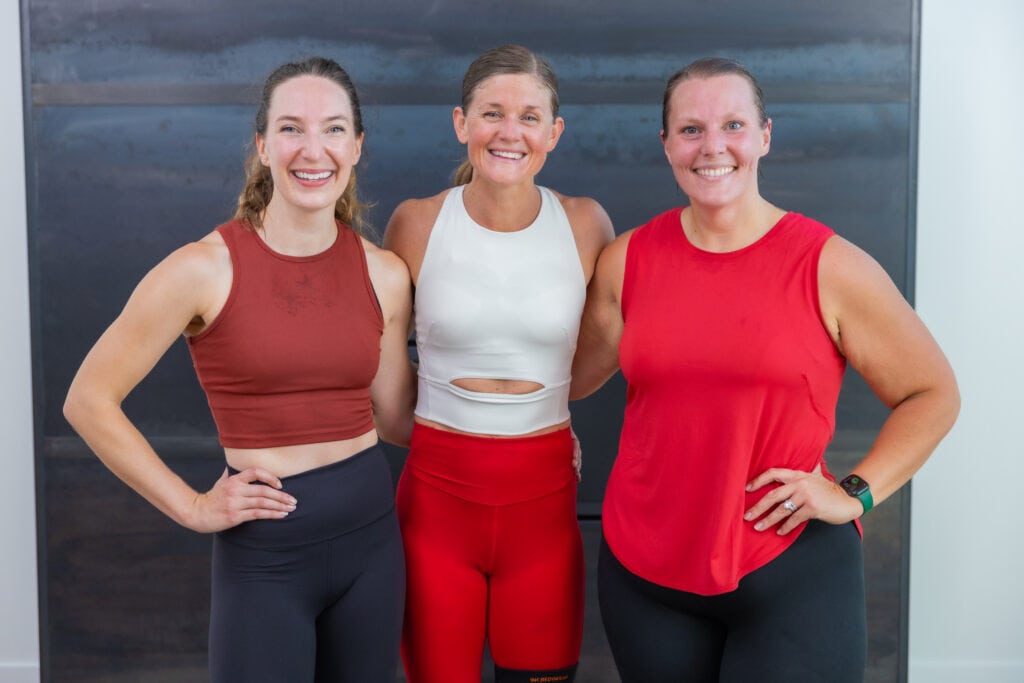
x=857 y=488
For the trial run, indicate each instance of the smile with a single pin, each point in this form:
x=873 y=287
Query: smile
x=322 y=175
x=515 y=156
x=715 y=172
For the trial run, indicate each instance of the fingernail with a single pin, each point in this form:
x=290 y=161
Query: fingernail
x=748 y=516
x=759 y=526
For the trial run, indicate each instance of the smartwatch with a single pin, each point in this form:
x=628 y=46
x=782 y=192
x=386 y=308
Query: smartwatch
x=859 y=489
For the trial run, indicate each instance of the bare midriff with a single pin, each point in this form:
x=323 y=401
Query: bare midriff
x=285 y=461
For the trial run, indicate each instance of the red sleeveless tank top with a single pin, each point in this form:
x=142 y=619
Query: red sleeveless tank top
x=290 y=358
x=730 y=371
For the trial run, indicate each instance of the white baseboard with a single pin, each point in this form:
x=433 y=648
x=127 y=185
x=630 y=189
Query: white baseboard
x=944 y=671
x=19 y=672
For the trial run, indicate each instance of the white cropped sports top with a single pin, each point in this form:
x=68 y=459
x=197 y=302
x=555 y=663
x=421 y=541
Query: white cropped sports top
x=498 y=305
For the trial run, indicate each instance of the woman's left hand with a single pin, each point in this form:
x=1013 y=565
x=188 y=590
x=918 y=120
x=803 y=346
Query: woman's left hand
x=799 y=497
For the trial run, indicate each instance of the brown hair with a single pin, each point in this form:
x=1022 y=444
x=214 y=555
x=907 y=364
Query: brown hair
x=504 y=59
x=259 y=185
x=708 y=67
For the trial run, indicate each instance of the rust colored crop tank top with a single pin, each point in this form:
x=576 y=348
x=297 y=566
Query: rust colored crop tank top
x=290 y=358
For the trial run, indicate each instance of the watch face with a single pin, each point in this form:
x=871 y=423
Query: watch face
x=854 y=485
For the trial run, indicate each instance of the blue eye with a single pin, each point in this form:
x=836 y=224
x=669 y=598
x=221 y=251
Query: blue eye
x=733 y=125
x=491 y=115
x=336 y=129
x=690 y=130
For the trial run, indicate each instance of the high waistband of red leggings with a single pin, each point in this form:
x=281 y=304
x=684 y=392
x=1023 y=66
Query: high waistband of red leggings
x=489 y=470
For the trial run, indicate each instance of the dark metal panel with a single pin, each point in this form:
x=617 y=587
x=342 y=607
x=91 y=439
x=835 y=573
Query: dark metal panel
x=231 y=41
x=139 y=120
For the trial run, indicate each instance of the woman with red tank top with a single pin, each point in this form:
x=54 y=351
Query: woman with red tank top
x=297 y=327
x=730 y=552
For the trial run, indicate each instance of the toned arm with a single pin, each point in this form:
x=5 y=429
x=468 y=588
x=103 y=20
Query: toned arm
x=597 y=349
x=883 y=339
x=886 y=342
x=393 y=391
x=181 y=293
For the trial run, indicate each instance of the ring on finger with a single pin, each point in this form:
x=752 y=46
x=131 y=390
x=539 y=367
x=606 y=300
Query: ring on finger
x=789 y=505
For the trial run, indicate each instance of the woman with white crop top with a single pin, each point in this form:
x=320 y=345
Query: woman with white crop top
x=487 y=502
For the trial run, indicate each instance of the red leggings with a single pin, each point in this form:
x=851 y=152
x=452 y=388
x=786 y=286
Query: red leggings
x=507 y=572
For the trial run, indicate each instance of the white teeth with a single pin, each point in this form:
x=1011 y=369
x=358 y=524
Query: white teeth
x=323 y=175
x=508 y=155
x=714 y=172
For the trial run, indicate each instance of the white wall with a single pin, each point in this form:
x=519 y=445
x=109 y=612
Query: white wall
x=967 y=549
x=19 y=623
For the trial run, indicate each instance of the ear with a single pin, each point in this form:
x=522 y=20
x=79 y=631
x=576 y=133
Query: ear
x=664 y=146
x=459 y=121
x=261 y=149
x=556 y=132
x=359 y=149
x=766 y=142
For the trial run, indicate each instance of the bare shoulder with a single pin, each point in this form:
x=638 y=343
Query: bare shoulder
x=201 y=263
x=587 y=217
x=388 y=271
x=853 y=287
x=591 y=228
x=613 y=258
x=408 y=230
x=847 y=272
x=842 y=256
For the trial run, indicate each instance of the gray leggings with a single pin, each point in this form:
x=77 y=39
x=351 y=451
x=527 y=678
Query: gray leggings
x=317 y=596
x=801 y=618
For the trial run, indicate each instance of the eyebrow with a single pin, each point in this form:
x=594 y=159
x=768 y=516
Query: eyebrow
x=298 y=119
x=499 y=105
x=731 y=116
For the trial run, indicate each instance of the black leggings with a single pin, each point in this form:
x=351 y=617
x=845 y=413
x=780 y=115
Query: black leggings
x=801 y=618
x=316 y=596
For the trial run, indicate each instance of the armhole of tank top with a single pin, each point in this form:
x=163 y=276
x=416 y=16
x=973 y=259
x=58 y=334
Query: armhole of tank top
x=371 y=292
x=630 y=268
x=227 y=235
x=425 y=264
x=548 y=196
x=827 y=234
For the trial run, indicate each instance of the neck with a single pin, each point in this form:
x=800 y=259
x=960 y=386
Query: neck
x=501 y=208
x=297 y=233
x=729 y=228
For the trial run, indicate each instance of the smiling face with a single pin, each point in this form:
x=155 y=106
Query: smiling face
x=714 y=140
x=310 y=144
x=508 y=128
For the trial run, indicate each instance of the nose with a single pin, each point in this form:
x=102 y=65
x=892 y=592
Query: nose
x=509 y=128
x=712 y=143
x=312 y=146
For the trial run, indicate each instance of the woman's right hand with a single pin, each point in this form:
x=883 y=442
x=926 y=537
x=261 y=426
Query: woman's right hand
x=251 y=494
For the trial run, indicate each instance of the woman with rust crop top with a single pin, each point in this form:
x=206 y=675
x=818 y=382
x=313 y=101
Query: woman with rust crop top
x=731 y=554
x=297 y=328
x=487 y=500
